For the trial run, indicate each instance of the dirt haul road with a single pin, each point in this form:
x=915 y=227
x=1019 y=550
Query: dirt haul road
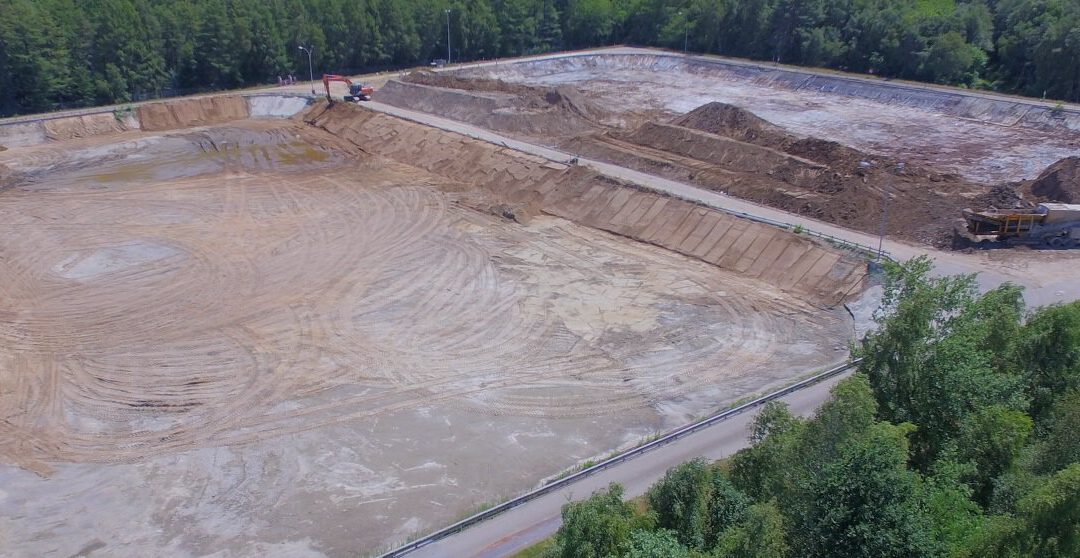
x=260 y=339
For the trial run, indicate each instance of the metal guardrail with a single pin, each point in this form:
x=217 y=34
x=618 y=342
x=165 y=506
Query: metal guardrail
x=616 y=460
x=866 y=251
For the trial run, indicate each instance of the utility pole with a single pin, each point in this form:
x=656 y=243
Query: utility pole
x=447 y=36
x=311 y=74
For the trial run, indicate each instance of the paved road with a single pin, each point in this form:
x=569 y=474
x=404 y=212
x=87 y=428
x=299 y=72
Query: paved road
x=528 y=524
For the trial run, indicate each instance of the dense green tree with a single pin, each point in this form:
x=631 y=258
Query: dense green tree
x=992 y=439
x=762 y=534
x=1046 y=525
x=764 y=470
x=35 y=62
x=940 y=353
x=598 y=527
x=728 y=507
x=681 y=501
x=71 y=53
x=661 y=543
x=588 y=22
x=1048 y=354
x=1061 y=445
x=867 y=502
x=955 y=519
x=951 y=59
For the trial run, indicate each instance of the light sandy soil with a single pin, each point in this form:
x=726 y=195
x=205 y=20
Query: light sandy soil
x=255 y=339
x=981 y=151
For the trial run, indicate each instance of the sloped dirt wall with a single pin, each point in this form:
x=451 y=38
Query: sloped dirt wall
x=783 y=260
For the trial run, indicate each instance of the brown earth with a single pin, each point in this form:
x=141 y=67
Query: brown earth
x=451 y=81
x=1060 y=182
x=208 y=334
x=510 y=183
x=731 y=150
x=185 y=113
x=7 y=177
x=84 y=126
x=719 y=147
x=734 y=122
x=496 y=104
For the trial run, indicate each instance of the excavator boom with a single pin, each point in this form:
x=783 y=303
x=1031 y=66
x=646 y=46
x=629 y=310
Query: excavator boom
x=357 y=92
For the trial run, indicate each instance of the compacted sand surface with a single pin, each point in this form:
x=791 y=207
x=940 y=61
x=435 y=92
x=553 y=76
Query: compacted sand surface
x=258 y=339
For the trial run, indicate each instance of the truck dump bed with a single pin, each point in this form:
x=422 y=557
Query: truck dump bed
x=1003 y=222
x=1055 y=223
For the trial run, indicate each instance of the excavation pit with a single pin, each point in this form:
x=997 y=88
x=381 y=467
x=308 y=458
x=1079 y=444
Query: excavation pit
x=285 y=337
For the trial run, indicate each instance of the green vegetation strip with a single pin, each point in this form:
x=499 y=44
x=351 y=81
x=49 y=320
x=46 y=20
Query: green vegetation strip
x=958 y=437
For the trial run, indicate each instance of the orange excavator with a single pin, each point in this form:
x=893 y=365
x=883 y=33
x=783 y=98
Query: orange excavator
x=357 y=91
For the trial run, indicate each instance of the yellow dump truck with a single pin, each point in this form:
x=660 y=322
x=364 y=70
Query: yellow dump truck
x=1054 y=224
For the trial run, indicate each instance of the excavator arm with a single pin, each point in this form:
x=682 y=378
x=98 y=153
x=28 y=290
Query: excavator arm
x=357 y=92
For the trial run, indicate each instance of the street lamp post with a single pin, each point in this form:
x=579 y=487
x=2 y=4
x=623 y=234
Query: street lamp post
x=884 y=204
x=447 y=36
x=686 y=31
x=311 y=73
x=686 y=35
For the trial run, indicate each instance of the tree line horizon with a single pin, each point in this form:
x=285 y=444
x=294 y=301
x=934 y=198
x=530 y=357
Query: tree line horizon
x=75 y=53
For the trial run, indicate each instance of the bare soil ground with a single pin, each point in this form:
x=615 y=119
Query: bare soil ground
x=259 y=339
x=981 y=151
x=728 y=149
x=796 y=150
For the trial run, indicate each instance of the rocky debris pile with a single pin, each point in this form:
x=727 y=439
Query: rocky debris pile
x=1060 y=182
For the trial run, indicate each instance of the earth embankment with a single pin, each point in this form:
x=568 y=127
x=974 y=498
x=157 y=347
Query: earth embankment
x=782 y=259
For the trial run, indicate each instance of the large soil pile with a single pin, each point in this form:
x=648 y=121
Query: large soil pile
x=1060 y=182
x=728 y=149
x=729 y=120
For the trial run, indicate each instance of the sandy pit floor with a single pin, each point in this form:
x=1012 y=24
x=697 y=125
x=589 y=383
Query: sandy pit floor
x=980 y=151
x=255 y=340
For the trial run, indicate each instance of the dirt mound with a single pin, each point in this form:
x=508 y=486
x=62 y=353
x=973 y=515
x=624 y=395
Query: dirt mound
x=495 y=105
x=734 y=122
x=1060 y=182
x=1002 y=196
x=731 y=150
x=185 y=113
